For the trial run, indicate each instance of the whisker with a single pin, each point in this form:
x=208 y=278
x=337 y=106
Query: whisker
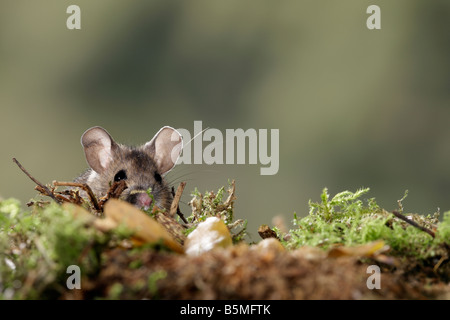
x=171 y=180
x=182 y=175
x=222 y=142
x=174 y=183
x=175 y=176
x=201 y=132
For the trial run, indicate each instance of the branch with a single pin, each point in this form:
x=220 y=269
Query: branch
x=40 y=187
x=114 y=192
x=83 y=186
x=413 y=223
x=174 y=208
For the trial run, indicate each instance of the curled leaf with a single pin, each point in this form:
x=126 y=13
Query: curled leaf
x=145 y=229
x=366 y=250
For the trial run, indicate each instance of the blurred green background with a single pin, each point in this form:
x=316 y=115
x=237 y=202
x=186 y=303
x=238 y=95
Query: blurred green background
x=355 y=107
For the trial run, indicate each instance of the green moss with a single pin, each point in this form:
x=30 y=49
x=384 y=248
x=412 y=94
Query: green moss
x=135 y=264
x=211 y=204
x=37 y=245
x=115 y=291
x=40 y=245
x=153 y=278
x=443 y=230
x=348 y=220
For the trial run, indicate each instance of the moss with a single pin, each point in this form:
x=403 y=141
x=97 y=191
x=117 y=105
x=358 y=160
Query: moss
x=443 y=230
x=37 y=245
x=153 y=278
x=115 y=291
x=348 y=220
x=40 y=245
x=211 y=204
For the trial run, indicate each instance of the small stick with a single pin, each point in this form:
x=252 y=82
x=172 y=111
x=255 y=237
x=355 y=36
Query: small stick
x=413 y=223
x=114 y=192
x=436 y=267
x=180 y=214
x=41 y=188
x=83 y=186
x=176 y=199
x=62 y=198
x=116 y=189
x=231 y=196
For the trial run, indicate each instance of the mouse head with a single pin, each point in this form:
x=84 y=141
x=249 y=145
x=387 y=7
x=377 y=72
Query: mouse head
x=142 y=167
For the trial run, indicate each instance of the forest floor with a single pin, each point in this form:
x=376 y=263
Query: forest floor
x=345 y=248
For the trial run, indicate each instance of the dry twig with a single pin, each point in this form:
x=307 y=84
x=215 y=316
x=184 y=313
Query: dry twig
x=83 y=186
x=114 y=192
x=413 y=223
x=40 y=187
x=175 y=208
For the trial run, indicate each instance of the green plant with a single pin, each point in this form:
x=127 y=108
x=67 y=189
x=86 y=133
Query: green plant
x=346 y=219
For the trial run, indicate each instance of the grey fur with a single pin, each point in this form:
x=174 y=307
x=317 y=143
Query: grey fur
x=140 y=167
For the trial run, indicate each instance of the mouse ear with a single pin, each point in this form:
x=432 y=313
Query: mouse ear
x=98 y=146
x=165 y=148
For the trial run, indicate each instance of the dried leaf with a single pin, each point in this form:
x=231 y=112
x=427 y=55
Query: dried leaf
x=366 y=250
x=105 y=224
x=265 y=232
x=144 y=228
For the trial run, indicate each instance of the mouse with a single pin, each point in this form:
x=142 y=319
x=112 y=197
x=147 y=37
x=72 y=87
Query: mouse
x=142 y=167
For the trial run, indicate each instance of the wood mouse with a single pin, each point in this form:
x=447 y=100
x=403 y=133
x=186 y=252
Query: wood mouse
x=142 y=167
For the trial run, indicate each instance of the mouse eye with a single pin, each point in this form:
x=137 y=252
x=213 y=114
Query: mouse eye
x=158 y=177
x=121 y=175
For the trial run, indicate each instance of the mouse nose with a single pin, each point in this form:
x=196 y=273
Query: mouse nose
x=143 y=201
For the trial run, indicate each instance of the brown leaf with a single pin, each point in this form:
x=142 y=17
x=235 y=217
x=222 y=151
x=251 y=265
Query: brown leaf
x=265 y=232
x=144 y=228
x=366 y=250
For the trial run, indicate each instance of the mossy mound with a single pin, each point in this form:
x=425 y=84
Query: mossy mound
x=39 y=244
